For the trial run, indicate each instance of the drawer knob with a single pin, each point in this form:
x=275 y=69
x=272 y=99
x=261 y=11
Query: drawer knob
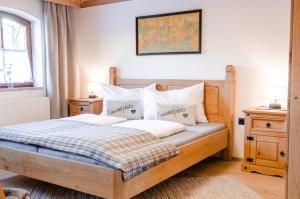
x=268 y=125
x=258 y=153
x=81 y=108
x=282 y=154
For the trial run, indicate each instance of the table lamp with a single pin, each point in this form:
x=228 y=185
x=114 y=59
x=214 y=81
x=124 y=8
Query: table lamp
x=92 y=89
x=278 y=94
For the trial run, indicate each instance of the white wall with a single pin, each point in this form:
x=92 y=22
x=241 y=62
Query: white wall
x=31 y=10
x=252 y=35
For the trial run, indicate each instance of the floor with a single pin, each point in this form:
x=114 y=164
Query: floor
x=269 y=187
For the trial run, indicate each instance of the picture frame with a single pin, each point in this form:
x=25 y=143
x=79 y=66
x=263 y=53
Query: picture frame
x=170 y=33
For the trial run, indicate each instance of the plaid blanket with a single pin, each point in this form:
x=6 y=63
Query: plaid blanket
x=130 y=150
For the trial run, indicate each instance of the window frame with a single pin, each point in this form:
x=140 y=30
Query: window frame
x=27 y=24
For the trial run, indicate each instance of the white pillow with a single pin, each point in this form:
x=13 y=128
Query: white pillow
x=158 y=128
x=110 y=92
x=193 y=95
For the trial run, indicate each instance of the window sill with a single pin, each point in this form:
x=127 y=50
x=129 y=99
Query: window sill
x=20 y=89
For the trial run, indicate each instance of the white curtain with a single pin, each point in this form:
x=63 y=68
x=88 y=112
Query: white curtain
x=61 y=57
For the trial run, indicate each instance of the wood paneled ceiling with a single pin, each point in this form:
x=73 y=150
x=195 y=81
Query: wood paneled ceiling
x=85 y=3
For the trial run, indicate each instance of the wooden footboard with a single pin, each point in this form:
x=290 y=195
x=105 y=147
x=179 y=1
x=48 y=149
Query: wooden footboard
x=190 y=154
x=88 y=178
x=106 y=182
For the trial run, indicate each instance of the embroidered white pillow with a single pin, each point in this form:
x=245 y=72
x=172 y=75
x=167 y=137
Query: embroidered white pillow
x=130 y=109
x=110 y=92
x=193 y=95
x=181 y=113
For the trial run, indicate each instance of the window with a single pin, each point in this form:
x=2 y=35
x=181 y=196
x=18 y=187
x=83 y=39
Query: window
x=15 y=52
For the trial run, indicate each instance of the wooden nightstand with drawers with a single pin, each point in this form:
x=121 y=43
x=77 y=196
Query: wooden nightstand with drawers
x=81 y=106
x=265 y=142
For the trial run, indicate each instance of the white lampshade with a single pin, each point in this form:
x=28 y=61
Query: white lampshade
x=278 y=93
x=93 y=87
x=277 y=96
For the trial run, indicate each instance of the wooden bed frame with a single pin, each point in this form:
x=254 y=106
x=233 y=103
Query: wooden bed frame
x=108 y=183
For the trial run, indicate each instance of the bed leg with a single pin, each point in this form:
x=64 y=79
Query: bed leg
x=119 y=185
x=227 y=154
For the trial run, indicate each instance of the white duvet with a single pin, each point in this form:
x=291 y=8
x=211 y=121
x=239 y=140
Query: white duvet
x=96 y=119
x=158 y=128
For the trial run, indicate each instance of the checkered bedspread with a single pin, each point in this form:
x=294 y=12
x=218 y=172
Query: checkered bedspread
x=130 y=150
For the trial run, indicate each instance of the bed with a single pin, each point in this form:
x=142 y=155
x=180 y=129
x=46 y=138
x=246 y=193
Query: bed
x=106 y=182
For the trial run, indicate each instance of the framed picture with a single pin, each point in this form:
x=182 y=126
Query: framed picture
x=171 y=33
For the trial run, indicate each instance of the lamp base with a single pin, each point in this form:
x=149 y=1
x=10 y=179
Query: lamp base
x=275 y=105
x=92 y=96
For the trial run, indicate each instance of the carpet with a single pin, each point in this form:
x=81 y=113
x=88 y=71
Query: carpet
x=204 y=187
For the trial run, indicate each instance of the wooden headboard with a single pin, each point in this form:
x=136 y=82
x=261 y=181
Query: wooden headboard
x=219 y=95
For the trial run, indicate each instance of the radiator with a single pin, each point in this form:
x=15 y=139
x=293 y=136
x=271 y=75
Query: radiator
x=24 y=110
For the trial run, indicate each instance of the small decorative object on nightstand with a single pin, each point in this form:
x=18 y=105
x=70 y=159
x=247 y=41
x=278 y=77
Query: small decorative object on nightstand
x=265 y=141
x=81 y=106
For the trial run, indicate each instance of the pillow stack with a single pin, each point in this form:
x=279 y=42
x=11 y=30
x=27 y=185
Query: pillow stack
x=122 y=102
x=183 y=99
x=182 y=105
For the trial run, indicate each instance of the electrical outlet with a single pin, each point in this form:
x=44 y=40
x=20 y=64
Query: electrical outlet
x=241 y=121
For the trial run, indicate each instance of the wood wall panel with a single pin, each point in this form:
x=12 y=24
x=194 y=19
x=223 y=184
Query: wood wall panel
x=293 y=181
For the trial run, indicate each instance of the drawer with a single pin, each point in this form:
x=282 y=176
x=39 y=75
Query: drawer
x=79 y=109
x=268 y=124
x=82 y=106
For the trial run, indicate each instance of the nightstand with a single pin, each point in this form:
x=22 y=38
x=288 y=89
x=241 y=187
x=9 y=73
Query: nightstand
x=265 y=141
x=81 y=106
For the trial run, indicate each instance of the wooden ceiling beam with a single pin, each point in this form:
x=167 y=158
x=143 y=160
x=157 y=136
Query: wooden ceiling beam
x=72 y=3
x=90 y=3
x=85 y=3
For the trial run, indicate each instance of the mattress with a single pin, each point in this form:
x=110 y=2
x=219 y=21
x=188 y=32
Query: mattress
x=191 y=134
